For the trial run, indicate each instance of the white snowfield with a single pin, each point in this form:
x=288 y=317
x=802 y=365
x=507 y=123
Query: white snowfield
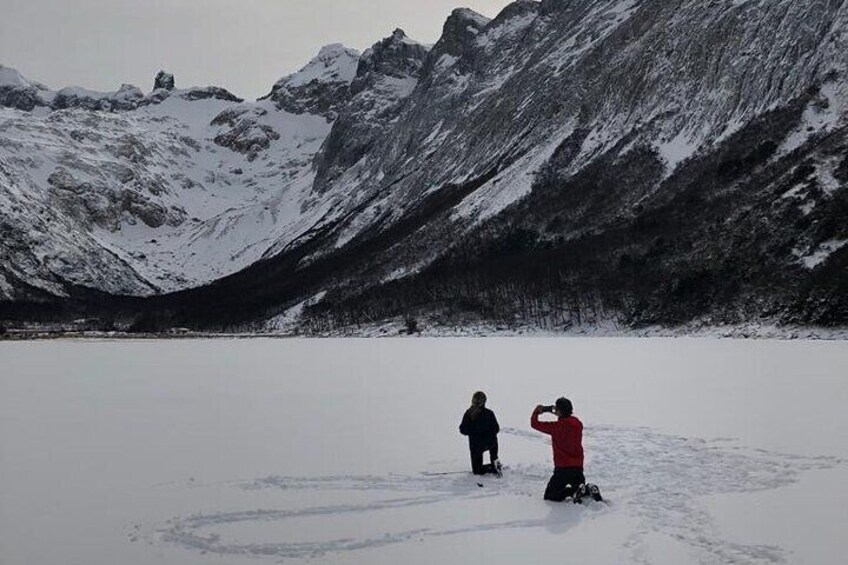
x=302 y=451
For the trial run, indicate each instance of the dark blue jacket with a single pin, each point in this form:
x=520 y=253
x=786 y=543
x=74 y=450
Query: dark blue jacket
x=481 y=427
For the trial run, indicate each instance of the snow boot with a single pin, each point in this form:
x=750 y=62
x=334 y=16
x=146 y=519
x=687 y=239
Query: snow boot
x=496 y=465
x=594 y=492
x=579 y=493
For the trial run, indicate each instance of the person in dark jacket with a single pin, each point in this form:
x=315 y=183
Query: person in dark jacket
x=481 y=426
x=567 y=441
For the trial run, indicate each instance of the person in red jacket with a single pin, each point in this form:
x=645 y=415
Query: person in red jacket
x=567 y=440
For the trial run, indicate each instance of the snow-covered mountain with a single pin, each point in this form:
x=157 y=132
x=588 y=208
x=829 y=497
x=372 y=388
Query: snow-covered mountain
x=135 y=194
x=567 y=162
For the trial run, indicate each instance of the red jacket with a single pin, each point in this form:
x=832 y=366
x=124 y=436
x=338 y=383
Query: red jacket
x=566 y=437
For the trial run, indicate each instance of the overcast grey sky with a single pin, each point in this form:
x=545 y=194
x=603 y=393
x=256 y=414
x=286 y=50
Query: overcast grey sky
x=242 y=45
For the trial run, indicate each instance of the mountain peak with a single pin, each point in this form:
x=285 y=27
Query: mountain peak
x=396 y=55
x=469 y=16
x=399 y=36
x=17 y=91
x=334 y=63
x=459 y=32
x=321 y=86
x=11 y=77
x=335 y=51
x=518 y=8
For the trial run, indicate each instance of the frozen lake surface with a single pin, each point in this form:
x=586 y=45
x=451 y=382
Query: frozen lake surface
x=302 y=451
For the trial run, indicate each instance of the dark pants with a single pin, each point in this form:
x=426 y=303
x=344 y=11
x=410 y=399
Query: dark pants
x=477 y=452
x=563 y=483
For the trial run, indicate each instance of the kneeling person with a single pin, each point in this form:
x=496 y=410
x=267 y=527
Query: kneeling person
x=481 y=426
x=567 y=441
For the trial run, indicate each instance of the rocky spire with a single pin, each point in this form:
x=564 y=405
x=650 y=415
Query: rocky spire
x=164 y=80
x=396 y=55
x=459 y=32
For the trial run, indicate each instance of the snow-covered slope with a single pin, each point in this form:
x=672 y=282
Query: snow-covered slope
x=534 y=132
x=188 y=186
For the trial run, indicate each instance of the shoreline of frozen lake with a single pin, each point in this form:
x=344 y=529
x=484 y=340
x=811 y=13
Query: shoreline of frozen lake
x=193 y=452
x=398 y=329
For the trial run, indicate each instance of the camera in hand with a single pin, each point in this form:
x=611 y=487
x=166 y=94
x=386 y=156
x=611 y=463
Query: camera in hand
x=551 y=409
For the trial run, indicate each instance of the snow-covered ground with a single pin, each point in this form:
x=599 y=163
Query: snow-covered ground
x=312 y=451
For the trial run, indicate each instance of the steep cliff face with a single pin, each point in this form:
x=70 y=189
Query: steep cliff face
x=675 y=76
x=640 y=161
x=386 y=76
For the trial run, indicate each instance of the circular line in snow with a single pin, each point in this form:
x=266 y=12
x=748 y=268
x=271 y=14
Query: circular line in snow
x=660 y=480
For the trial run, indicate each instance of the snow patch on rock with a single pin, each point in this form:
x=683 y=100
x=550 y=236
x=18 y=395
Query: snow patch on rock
x=510 y=185
x=821 y=253
x=825 y=113
x=677 y=149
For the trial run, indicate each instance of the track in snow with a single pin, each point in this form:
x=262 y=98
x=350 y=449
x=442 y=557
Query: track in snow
x=659 y=480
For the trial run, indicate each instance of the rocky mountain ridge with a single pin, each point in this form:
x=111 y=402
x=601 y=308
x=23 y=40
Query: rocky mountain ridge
x=20 y=93
x=565 y=163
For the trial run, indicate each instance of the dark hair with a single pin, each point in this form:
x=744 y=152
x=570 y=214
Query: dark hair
x=564 y=407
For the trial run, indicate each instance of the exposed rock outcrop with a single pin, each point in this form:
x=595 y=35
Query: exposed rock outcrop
x=163 y=80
